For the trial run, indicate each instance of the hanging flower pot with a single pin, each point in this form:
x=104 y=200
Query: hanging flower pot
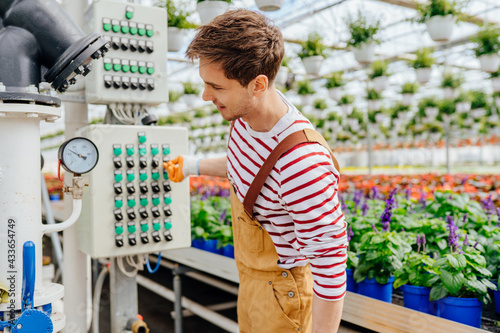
x=306 y=99
x=407 y=99
x=269 y=5
x=463 y=107
x=462 y=310
x=417 y=298
x=208 y=10
x=365 y=52
x=282 y=76
x=450 y=93
x=423 y=74
x=335 y=93
x=380 y=83
x=373 y=105
x=440 y=28
x=176 y=38
x=312 y=64
x=478 y=113
x=347 y=109
x=373 y=289
x=495 y=84
x=431 y=112
x=489 y=62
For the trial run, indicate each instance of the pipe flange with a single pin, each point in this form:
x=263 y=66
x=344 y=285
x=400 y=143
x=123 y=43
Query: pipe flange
x=44 y=112
x=12 y=97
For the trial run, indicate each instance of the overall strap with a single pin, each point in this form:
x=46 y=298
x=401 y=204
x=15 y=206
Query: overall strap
x=306 y=135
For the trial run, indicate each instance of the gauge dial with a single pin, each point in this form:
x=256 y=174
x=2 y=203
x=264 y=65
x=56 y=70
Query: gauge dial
x=78 y=155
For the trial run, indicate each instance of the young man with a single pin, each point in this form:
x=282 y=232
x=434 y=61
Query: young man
x=291 y=224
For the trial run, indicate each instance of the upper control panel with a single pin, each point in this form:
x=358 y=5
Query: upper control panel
x=134 y=70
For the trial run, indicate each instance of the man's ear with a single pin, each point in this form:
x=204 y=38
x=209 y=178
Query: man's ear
x=260 y=85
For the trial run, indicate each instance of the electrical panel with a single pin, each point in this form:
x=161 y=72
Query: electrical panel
x=134 y=70
x=130 y=206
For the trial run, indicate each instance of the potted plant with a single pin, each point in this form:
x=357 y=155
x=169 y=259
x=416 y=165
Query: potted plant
x=479 y=103
x=363 y=39
x=495 y=80
x=379 y=75
x=305 y=90
x=191 y=92
x=269 y=5
x=450 y=83
x=209 y=9
x=334 y=84
x=440 y=17
x=423 y=64
x=373 y=98
x=313 y=53
x=496 y=97
x=487 y=46
x=345 y=104
x=408 y=89
x=463 y=102
x=282 y=75
x=428 y=107
x=177 y=23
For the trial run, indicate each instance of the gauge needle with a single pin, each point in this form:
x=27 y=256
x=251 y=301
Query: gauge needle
x=79 y=155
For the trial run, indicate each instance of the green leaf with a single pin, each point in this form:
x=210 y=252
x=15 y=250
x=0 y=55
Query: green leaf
x=438 y=292
x=477 y=286
x=399 y=282
x=483 y=271
x=489 y=284
x=452 y=282
x=457 y=261
x=442 y=244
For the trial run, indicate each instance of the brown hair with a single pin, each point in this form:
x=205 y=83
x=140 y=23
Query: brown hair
x=243 y=43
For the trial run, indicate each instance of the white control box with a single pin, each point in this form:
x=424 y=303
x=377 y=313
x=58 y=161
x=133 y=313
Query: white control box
x=130 y=206
x=135 y=69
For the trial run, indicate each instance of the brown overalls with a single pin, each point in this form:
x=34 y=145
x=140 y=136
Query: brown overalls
x=270 y=299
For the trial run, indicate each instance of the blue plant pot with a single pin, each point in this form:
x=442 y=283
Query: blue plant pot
x=197 y=243
x=228 y=251
x=351 y=284
x=467 y=311
x=417 y=298
x=210 y=245
x=373 y=289
x=496 y=296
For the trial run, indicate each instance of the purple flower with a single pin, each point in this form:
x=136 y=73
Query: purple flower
x=464 y=180
x=423 y=241
x=452 y=236
x=386 y=217
x=374 y=228
x=418 y=243
x=375 y=192
x=488 y=205
x=350 y=233
x=407 y=193
x=422 y=200
x=365 y=207
x=342 y=201
x=466 y=241
x=222 y=216
x=357 y=199
x=466 y=218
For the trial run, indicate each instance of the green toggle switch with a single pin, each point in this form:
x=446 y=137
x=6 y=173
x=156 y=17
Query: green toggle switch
x=143 y=176
x=166 y=151
x=134 y=68
x=151 y=70
x=130 y=151
x=117 y=151
x=117 y=67
x=131 y=229
x=108 y=66
x=165 y=175
x=142 y=138
x=156 y=226
x=156 y=201
x=131 y=203
x=155 y=175
x=144 y=202
x=168 y=225
x=144 y=227
x=130 y=177
x=118 y=203
x=129 y=15
x=141 y=31
x=149 y=33
x=167 y=200
x=116 y=28
x=133 y=30
x=119 y=230
x=106 y=26
x=118 y=177
x=125 y=68
x=155 y=151
x=125 y=29
x=142 y=69
x=142 y=151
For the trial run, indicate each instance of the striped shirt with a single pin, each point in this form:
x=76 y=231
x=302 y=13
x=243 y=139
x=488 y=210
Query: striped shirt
x=298 y=204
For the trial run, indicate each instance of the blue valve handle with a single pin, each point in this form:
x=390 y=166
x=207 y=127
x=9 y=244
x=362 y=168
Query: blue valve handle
x=28 y=275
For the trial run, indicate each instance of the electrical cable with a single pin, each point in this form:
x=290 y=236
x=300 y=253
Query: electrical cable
x=119 y=261
x=157 y=264
x=97 y=297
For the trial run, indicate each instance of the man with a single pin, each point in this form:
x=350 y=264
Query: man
x=291 y=224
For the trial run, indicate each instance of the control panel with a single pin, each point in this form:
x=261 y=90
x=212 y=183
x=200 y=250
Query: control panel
x=131 y=206
x=135 y=68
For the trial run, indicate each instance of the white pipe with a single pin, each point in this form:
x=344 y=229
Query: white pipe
x=198 y=309
x=77 y=210
x=49 y=216
x=97 y=298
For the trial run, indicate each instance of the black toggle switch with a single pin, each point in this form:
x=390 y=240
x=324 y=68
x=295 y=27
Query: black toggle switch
x=117 y=84
x=117 y=163
x=144 y=239
x=143 y=212
x=125 y=85
x=131 y=240
x=142 y=48
x=143 y=187
x=142 y=86
x=124 y=46
x=143 y=162
x=155 y=187
x=151 y=86
x=130 y=188
x=131 y=214
x=167 y=211
x=118 y=188
x=119 y=241
x=115 y=45
x=167 y=187
x=168 y=236
x=155 y=211
x=130 y=162
x=155 y=162
x=108 y=83
x=118 y=215
x=156 y=237
x=134 y=85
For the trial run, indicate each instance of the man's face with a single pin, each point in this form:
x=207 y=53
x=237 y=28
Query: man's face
x=232 y=99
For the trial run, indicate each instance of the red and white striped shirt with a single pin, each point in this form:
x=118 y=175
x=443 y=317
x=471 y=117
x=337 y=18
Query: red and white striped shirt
x=298 y=204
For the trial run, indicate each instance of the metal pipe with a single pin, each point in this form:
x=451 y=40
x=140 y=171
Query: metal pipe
x=177 y=303
x=77 y=210
x=198 y=309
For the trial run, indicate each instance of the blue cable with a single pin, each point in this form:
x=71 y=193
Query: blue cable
x=157 y=264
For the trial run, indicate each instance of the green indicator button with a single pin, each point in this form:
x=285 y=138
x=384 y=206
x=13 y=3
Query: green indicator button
x=142 y=69
x=117 y=67
x=141 y=31
x=142 y=151
x=119 y=230
x=142 y=138
x=156 y=201
x=168 y=225
x=131 y=229
x=130 y=151
x=118 y=177
x=118 y=203
x=125 y=68
x=167 y=200
x=149 y=33
x=151 y=70
x=117 y=151
x=134 y=68
x=106 y=26
x=116 y=28
x=155 y=151
x=108 y=66
x=165 y=175
x=166 y=151
x=155 y=175
x=144 y=202
x=130 y=177
x=125 y=29
x=131 y=203
x=129 y=15
x=143 y=177
x=133 y=30
x=144 y=227
x=156 y=226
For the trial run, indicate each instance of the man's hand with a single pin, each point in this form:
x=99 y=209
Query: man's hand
x=181 y=167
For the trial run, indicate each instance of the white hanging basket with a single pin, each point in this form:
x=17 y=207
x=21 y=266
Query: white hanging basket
x=407 y=99
x=373 y=104
x=365 y=53
x=489 y=62
x=347 y=109
x=495 y=84
x=478 y=113
x=312 y=64
x=440 y=28
x=423 y=74
x=175 y=38
x=335 y=93
x=269 y=5
x=463 y=107
x=431 y=112
x=497 y=102
x=208 y=10
x=306 y=99
x=282 y=76
x=380 y=83
x=450 y=93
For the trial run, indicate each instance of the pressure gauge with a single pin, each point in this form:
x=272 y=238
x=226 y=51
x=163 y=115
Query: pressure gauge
x=78 y=155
